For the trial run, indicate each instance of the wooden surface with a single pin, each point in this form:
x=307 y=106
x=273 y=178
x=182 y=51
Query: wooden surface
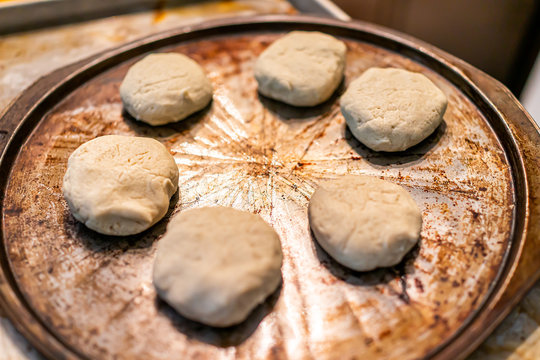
x=463 y=122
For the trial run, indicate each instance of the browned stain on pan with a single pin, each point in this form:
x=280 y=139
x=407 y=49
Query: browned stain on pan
x=259 y=155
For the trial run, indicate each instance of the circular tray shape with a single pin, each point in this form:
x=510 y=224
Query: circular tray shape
x=86 y=295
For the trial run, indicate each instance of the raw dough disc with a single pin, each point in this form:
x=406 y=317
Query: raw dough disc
x=302 y=68
x=364 y=222
x=120 y=185
x=392 y=109
x=216 y=264
x=165 y=88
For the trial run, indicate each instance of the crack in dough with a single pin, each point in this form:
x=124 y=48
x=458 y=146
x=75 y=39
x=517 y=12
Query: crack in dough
x=165 y=88
x=392 y=109
x=115 y=188
x=302 y=68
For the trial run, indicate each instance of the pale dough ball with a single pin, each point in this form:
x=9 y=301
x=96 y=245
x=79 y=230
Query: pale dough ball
x=302 y=68
x=120 y=185
x=165 y=88
x=364 y=222
x=216 y=264
x=392 y=109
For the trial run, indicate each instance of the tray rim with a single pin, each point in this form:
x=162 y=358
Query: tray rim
x=494 y=306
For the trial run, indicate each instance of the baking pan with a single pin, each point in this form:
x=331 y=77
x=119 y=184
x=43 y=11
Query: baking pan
x=78 y=294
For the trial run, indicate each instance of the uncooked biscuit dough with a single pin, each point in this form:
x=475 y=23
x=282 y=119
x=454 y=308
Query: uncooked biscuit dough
x=120 y=185
x=165 y=88
x=215 y=264
x=392 y=109
x=364 y=222
x=302 y=68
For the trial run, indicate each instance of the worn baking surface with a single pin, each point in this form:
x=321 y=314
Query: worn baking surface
x=262 y=156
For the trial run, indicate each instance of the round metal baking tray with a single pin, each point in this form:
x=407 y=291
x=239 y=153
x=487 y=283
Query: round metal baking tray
x=77 y=294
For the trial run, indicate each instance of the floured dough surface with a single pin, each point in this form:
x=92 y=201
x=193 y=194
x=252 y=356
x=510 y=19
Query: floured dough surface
x=392 y=109
x=302 y=68
x=216 y=264
x=120 y=185
x=165 y=88
x=364 y=222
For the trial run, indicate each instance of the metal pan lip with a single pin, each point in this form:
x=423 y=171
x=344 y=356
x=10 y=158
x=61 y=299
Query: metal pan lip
x=42 y=336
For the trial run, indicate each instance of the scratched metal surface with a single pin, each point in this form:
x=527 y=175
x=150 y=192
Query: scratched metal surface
x=252 y=153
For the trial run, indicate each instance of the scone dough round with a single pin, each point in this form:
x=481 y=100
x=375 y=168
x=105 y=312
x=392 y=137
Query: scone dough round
x=120 y=185
x=364 y=222
x=392 y=109
x=215 y=264
x=165 y=88
x=302 y=68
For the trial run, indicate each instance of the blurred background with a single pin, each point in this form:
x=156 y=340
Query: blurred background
x=500 y=37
